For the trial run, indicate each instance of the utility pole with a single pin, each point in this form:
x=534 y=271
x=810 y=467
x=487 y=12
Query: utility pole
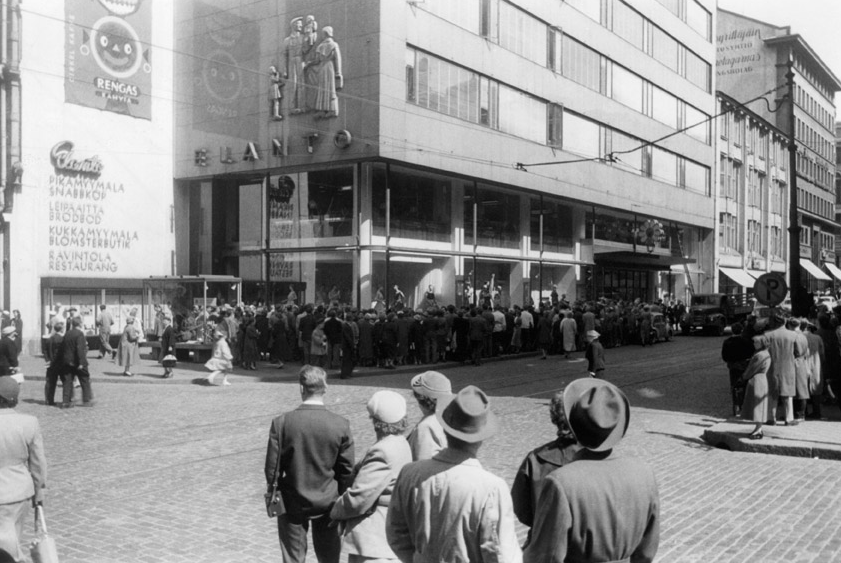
x=798 y=292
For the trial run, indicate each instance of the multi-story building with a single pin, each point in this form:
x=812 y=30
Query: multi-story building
x=753 y=199
x=837 y=265
x=761 y=59
x=515 y=145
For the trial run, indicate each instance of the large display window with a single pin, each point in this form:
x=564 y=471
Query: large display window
x=324 y=278
x=406 y=280
x=496 y=215
x=420 y=203
x=550 y=222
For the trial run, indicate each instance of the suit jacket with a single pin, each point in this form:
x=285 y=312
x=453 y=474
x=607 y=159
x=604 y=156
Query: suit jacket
x=74 y=349
x=597 y=510
x=23 y=465
x=167 y=342
x=8 y=355
x=364 y=506
x=316 y=458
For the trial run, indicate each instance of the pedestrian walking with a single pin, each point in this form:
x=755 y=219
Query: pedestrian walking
x=755 y=380
x=783 y=347
x=127 y=352
x=449 y=508
x=362 y=509
x=544 y=333
x=311 y=449
x=601 y=507
x=594 y=354
x=104 y=322
x=23 y=468
x=167 y=340
x=220 y=362
x=427 y=438
x=540 y=462
x=54 y=369
x=74 y=354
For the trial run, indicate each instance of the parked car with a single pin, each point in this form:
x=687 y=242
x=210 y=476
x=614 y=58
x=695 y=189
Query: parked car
x=828 y=301
x=660 y=328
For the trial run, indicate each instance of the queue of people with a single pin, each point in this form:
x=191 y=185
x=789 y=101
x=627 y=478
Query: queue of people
x=425 y=497
x=785 y=369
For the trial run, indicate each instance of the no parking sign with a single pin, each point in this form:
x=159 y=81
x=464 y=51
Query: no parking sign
x=770 y=289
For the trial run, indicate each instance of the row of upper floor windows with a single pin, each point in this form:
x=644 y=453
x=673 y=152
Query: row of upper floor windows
x=587 y=67
x=814 y=108
x=449 y=89
x=749 y=186
x=693 y=13
x=806 y=72
x=814 y=140
x=816 y=172
x=729 y=237
x=757 y=140
x=815 y=204
x=520 y=32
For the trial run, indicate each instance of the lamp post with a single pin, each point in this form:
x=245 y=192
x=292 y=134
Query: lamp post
x=798 y=292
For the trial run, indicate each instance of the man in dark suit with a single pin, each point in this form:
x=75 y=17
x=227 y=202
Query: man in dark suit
x=333 y=332
x=74 y=354
x=312 y=451
x=54 y=354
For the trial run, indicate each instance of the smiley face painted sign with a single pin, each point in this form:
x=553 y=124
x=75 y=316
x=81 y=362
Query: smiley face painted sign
x=108 y=62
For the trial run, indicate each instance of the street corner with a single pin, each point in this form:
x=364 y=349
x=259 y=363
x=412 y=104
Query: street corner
x=814 y=439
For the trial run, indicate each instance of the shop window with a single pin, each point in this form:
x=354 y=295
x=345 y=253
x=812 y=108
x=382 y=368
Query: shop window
x=323 y=278
x=497 y=218
x=420 y=205
x=557 y=225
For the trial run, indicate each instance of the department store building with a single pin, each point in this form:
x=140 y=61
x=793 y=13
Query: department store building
x=351 y=150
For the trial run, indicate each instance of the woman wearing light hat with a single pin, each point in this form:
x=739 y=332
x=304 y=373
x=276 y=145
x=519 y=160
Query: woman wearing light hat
x=428 y=438
x=601 y=507
x=363 y=507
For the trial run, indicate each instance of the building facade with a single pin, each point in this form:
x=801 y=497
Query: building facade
x=761 y=59
x=92 y=212
x=374 y=155
x=753 y=197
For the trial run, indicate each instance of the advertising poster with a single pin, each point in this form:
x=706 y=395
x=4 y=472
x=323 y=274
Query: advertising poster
x=226 y=77
x=107 y=59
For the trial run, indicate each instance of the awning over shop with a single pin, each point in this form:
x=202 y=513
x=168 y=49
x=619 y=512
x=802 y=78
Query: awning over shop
x=741 y=277
x=834 y=270
x=816 y=272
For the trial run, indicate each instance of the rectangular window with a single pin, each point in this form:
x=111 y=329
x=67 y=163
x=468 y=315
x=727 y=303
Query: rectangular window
x=464 y=13
x=627 y=24
x=664 y=48
x=521 y=33
x=554 y=125
x=581 y=136
x=697 y=71
x=671 y=5
x=701 y=131
x=664 y=107
x=581 y=64
x=553 y=55
x=737 y=131
x=699 y=19
x=590 y=8
x=696 y=177
x=488 y=103
x=410 y=75
x=522 y=115
x=664 y=166
x=621 y=145
x=449 y=89
x=627 y=88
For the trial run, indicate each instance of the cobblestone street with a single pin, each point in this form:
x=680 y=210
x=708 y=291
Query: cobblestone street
x=171 y=471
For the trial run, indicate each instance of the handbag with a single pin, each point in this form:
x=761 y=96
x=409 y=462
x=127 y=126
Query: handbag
x=168 y=361
x=274 y=500
x=43 y=549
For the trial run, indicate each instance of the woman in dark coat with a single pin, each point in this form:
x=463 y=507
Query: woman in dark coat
x=348 y=349
x=544 y=333
x=262 y=325
x=280 y=339
x=388 y=340
x=167 y=345
x=250 y=349
x=366 y=341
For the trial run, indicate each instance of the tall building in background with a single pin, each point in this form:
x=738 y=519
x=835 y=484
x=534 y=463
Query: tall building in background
x=753 y=201
x=755 y=57
x=372 y=155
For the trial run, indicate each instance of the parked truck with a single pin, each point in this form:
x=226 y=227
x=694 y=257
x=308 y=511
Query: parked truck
x=713 y=312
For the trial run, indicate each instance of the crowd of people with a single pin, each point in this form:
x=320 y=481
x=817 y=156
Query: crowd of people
x=424 y=496
x=784 y=369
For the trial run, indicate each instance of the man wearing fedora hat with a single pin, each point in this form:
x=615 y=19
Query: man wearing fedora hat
x=427 y=438
x=449 y=508
x=23 y=467
x=600 y=507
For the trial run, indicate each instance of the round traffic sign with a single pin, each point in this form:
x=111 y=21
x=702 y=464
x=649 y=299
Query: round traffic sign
x=770 y=289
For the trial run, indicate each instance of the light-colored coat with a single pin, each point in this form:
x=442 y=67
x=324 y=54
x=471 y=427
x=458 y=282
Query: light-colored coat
x=23 y=466
x=450 y=509
x=755 y=406
x=427 y=438
x=783 y=347
x=815 y=361
x=597 y=510
x=801 y=367
x=364 y=506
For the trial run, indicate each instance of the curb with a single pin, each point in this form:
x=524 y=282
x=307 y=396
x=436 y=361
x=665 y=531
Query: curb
x=733 y=437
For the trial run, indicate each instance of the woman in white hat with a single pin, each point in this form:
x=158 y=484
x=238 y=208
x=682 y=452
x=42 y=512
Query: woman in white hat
x=362 y=508
x=428 y=438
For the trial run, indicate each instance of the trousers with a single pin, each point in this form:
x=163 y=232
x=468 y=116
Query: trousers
x=292 y=532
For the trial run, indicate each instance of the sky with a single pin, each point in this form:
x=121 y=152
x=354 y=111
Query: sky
x=817 y=21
